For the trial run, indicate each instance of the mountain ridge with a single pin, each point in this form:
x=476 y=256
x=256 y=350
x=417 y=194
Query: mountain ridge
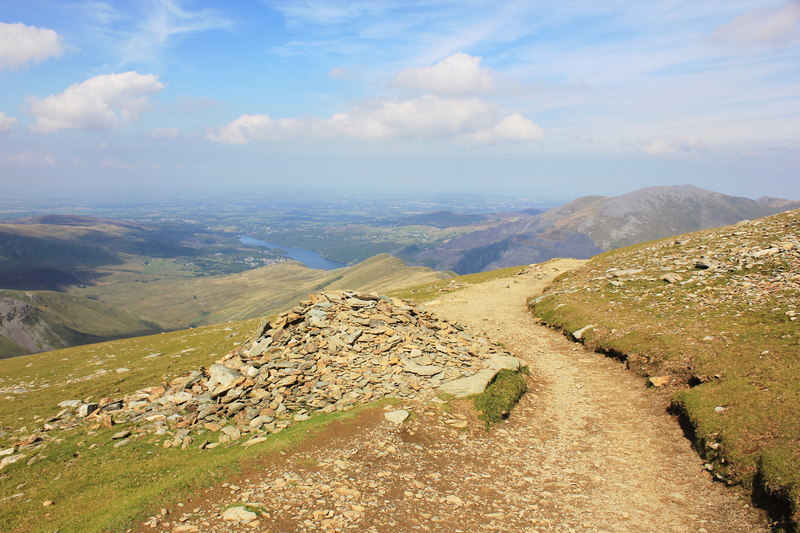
x=590 y=225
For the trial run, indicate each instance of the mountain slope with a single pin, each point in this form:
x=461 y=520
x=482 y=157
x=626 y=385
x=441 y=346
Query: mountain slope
x=592 y=224
x=715 y=315
x=257 y=292
x=44 y=320
x=55 y=251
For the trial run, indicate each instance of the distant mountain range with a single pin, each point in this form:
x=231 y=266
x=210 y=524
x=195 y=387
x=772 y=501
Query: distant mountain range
x=590 y=225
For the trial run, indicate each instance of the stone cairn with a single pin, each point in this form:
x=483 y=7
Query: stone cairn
x=330 y=352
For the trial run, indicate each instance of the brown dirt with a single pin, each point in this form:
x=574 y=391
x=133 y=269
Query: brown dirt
x=587 y=449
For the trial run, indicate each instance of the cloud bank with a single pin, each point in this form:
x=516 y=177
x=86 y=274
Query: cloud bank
x=427 y=118
x=101 y=102
x=449 y=110
x=21 y=44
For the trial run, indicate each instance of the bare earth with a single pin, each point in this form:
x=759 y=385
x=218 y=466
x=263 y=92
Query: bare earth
x=588 y=449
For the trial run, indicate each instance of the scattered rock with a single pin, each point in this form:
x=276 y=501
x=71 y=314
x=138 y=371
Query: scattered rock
x=659 y=381
x=396 y=417
x=578 y=334
x=10 y=460
x=421 y=370
x=672 y=277
x=455 y=500
x=86 y=409
x=239 y=514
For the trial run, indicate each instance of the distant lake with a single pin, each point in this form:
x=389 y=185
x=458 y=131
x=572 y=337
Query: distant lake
x=309 y=258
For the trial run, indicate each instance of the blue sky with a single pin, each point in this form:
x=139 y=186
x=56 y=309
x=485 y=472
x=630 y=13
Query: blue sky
x=546 y=99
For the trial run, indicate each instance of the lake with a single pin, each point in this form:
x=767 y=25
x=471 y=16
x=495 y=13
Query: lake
x=309 y=258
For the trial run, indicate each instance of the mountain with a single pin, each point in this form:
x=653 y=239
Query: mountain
x=44 y=320
x=592 y=224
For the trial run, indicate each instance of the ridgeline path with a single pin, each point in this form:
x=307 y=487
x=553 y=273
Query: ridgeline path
x=588 y=449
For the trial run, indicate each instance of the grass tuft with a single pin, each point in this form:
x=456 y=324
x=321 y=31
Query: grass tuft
x=502 y=394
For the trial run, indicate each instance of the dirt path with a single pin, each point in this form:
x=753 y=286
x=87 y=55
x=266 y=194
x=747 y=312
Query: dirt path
x=588 y=449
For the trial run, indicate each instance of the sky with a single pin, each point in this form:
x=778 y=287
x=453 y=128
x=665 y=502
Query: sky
x=546 y=99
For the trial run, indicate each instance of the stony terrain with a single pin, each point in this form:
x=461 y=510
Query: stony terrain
x=328 y=353
x=589 y=448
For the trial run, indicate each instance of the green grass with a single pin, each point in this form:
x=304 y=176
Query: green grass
x=95 y=486
x=90 y=371
x=108 y=489
x=502 y=394
x=728 y=331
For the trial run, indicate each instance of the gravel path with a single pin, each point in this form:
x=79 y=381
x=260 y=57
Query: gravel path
x=588 y=449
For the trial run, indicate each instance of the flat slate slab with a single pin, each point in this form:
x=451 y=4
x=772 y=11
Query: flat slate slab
x=501 y=362
x=468 y=386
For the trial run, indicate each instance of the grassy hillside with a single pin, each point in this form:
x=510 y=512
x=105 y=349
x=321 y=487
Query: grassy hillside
x=179 y=302
x=715 y=314
x=94 y=485
x=43 y=320
x=68 y=249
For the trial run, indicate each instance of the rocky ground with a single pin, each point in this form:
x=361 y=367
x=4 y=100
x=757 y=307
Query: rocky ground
x=589 y=448
x=327 y=354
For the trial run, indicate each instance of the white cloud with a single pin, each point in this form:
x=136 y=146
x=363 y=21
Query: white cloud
x=21 y=44
x=672 y=146
x=101 y=102
x=458 y=74
x=249 y=128
x=514 y=128
x=763 y=26
x=426 y=118
x=6 y=123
